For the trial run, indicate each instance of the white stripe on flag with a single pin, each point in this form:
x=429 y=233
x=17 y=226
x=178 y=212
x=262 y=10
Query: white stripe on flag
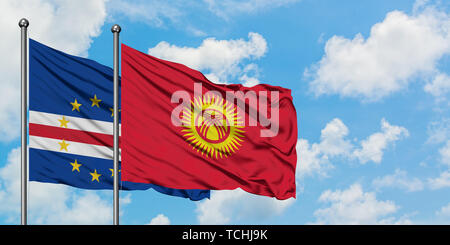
x=77 y=123
x=72 y=147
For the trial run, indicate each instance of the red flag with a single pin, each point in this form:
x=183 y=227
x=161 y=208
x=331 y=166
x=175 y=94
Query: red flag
x=182 y=131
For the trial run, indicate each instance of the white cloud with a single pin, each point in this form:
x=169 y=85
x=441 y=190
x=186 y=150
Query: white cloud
x=439 y=86
x=160 y=219
x=227 y=8
x=179 y=13
x=249 y=81
x=220 y=60
x=85 y=208
x=440 y=182
x=311 y=160
x=316 y=158
x=151 y=12
x=65 y=25
x=250 y=74
x=387 y=60
x=354 y=206
x=439 y=131
x=49 y=203
x=419 y=5
x=444 y=211
x=372 y=148
x=445 y=153
x=402 y=220
x=160 y=13
x=10 y=183
x=399 y=180
x=228 y=206
x=332 y=138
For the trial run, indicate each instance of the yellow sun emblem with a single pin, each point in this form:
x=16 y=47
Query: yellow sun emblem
x=212 y=126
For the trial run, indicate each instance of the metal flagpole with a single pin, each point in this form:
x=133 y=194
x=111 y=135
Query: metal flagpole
x=116 y=30
x=23 y=24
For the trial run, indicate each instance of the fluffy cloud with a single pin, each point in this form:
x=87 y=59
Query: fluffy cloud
x=230 y=206
x=311 y=160
x=439 y=86
x=10 y=183
x=160 y=219
x=179 y=13
x=443 y=180
x=444 y=211
x=49 y=203
x=84 y=208
x=227 y=8
x=399 y=180
x=387 y=60
x=440 y=182
x=219 y=59
x=354 y=206
x=151 y=12
x=439 y=131
x=372 y=148
x=332 y=138
x=65 y=25
x=445 y=153
x=315 y=158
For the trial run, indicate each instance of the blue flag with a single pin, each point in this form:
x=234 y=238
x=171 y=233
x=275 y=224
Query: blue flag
x=71 y=123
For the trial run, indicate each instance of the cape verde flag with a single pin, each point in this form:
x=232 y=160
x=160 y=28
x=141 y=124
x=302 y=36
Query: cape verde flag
x=71 y=123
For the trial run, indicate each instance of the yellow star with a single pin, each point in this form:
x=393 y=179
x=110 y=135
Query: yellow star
x=95 y=101
x=76 y=166
x=63 y=122
x=112 y=172
x=63 y=145
x=95 y=175
x=75 y=105
x=112 y=111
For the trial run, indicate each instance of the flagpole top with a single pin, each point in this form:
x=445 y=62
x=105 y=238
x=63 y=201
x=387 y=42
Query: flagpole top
x=24 y=23
x=115 y=28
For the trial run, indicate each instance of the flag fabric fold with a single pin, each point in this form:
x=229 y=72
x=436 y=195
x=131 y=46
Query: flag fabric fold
x=71 y=123
x=182 y=131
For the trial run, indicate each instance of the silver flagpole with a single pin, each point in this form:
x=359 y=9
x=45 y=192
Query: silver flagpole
x=23 y=23
x=116 y=30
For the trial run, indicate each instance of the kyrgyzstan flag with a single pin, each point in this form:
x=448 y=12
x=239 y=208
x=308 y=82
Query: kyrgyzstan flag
x=182 y=131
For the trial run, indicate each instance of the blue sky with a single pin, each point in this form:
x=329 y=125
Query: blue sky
x=370 y=82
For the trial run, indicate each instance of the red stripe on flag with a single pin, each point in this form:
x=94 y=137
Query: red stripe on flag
x=71 y=135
